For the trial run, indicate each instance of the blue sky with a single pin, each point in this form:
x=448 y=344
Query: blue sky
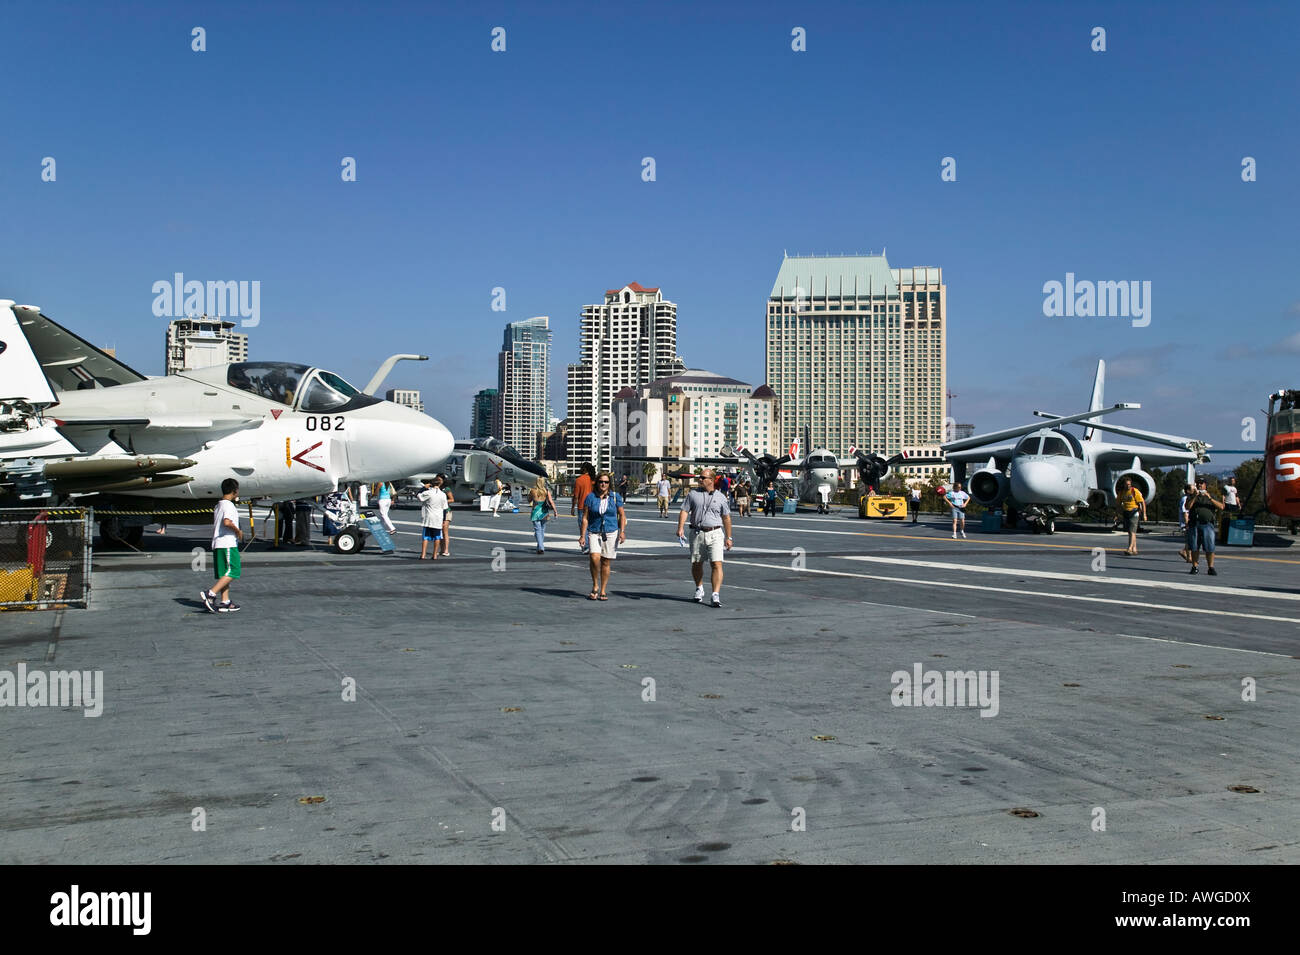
x=522 y=170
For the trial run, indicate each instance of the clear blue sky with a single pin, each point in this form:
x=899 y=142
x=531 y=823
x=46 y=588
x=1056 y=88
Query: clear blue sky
x=522 y=169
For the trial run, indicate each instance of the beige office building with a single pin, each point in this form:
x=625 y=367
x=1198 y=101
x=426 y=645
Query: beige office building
x=856 y=352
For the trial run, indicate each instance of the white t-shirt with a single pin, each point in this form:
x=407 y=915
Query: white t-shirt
x=1230 y=492
x=664 y=488
x=916 y=494
x=958 y=499
x=433 y=503
x=223 y=536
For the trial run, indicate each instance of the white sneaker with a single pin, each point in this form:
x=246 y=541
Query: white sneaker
x=963 y=535
x=954 y=535
x=699 y=595
x=717 y=600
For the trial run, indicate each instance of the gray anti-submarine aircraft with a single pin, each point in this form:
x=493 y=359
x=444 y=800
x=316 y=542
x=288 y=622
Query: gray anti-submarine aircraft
x=77 y=425
x=1050 y=472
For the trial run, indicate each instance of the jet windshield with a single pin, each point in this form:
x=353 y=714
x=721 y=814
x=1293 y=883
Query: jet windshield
x=1056 y=446
x=326 y=391
x=1028 y=445
x=273 y=380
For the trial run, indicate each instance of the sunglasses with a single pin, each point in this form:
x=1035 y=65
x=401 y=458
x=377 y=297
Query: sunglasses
x=602 y=482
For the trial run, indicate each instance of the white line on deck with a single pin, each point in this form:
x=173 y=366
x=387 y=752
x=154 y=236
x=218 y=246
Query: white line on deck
x=1097 y=578
x=1038 y=594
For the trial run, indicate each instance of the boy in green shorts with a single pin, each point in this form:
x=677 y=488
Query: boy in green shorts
x=226 y=536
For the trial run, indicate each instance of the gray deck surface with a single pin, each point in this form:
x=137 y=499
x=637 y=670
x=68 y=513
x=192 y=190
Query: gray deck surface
x=479 y=689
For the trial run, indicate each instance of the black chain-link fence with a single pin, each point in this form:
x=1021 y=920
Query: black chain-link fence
x=44 y=558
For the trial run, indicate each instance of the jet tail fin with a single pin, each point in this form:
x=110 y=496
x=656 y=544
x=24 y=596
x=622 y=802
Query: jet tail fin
x=21 y=376
x=1098 y=389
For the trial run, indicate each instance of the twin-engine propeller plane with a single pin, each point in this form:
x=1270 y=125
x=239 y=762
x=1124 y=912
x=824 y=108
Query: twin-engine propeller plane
x=78 y=425
x=813 y=479
x=817 y=476
x=1049 y=471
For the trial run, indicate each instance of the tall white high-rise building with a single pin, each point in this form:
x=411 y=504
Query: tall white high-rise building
x=628 y=341
x=523 y=382
x=856 y=352
x=194 y=343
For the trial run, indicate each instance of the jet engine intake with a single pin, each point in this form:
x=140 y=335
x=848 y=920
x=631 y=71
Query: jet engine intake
x=989 y=487
x=1141 y=480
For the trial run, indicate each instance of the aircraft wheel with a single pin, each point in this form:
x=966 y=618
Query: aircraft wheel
x=134 y=534
x=348 y=542
x=1051 y=526
x=1293 y=528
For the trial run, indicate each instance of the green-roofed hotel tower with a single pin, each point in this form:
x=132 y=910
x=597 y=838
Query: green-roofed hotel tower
x=856 y=352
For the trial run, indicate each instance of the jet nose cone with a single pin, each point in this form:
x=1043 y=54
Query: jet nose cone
x=392 y=442
x=1036 y=482
x=438 y=445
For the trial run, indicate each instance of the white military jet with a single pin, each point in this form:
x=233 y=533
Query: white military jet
x=1049 y=471
x=474 y=463
x=76 y=422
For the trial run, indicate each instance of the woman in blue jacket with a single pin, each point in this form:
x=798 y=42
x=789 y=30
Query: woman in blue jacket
x=603 y=518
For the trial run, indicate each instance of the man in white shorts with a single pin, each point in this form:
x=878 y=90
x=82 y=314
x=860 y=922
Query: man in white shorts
x=709 y=514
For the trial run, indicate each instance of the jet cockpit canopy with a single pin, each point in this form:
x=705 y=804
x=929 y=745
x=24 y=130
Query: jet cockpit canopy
x=502 y=450
x=312 y=390
x=1050 y=444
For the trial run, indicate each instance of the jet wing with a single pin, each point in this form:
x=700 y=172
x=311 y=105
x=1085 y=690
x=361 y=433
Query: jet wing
x=203 y=429
x=730 y=462
x=1120 y=455
x=156 y=424
x=983 y=439
x=1001 y=454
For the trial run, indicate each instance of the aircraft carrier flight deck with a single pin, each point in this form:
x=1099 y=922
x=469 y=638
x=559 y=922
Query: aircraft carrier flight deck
x=479 y=709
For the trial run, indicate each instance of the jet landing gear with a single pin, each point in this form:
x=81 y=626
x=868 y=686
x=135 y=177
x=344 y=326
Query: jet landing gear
x=113 y=533
x=349 y=540
x=1045 y=525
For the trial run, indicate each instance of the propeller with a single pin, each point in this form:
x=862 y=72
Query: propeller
x=765 y=468
x=872 y=468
